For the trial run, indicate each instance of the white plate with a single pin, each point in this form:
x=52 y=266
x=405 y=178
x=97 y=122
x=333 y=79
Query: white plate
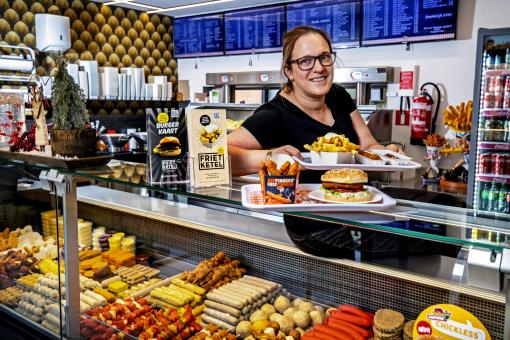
x=375 y=197
x=306 y=163
x=251 y=196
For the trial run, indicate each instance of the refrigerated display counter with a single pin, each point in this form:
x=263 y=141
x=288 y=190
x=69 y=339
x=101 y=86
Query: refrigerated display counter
x=176 y=227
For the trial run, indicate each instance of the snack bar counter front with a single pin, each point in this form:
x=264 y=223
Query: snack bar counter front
x=99 y=254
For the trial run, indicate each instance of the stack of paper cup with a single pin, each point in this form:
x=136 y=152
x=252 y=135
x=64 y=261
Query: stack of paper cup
x=45 y=221
x=84 y=233
x=52 y=226
x=96 y=234
x=129 y=243
x=115 y=241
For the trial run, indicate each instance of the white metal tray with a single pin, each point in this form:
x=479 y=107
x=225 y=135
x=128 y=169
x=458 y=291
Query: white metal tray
x=252 y=198
x=306 y=163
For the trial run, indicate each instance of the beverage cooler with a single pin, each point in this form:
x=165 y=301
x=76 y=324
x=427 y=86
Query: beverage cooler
x=489 y=171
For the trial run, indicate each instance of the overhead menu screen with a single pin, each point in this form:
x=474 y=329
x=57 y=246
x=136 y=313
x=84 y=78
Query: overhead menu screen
x=397 y=21
x=339 y=18
x=198 y=36
x=257 y=30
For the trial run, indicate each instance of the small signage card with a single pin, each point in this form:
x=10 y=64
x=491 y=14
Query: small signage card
x=167 y=145
x=207 y=137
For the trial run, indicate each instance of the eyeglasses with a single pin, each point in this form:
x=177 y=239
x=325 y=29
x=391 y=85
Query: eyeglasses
x=308 y=62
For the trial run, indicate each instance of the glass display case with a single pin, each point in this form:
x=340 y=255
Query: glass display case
x=178 y=232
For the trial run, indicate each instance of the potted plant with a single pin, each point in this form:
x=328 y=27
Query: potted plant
x=71 y=135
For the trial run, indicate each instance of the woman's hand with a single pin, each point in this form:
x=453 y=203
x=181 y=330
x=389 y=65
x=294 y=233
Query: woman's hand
x=395 y=148
x=288 y=150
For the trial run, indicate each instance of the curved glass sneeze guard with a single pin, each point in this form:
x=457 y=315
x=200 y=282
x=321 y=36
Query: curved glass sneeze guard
x=438 y=223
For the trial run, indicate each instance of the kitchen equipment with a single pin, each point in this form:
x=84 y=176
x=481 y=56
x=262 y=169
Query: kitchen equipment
x=141 y=139
x=115 y=141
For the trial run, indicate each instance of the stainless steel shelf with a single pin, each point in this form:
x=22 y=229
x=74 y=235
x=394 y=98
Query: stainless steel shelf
x=232 y=106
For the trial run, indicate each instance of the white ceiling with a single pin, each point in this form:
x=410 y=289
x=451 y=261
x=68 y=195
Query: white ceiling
x=225 y=6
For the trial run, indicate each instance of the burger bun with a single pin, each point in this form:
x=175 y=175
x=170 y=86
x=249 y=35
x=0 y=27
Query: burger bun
x=345 y=176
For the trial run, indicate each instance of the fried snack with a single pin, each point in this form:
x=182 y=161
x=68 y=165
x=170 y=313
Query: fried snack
x=458 y=118
x=434 y=140
x=332 y=143
x=278 y=198
x=214 y=272
x=294 y=169
x=285 y=167
x=272 y=169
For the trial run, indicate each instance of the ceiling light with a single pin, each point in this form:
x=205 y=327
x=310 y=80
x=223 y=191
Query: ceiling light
x=132 y=3
x=116 y=2
x=198 y=4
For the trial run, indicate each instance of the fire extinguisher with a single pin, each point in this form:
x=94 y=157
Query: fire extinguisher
x=422 y=121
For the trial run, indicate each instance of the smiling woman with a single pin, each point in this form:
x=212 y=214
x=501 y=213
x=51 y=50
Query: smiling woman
x=309 y=105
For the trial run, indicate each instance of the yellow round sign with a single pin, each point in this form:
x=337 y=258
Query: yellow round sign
x=163 y=117
x=448 y=322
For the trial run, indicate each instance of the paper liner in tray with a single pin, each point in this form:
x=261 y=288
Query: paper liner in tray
x=252 y=198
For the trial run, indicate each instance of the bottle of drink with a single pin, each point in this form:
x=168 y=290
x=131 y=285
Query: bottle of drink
x=488 y=61
x=507 y=59
x=492 y=200
x=487 y=127
x=484 y=195
x=502 y=198
x=507 y=130
x=507 y=206
x=497 y=61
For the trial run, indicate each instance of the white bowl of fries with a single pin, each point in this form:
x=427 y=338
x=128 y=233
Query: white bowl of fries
x=332 y=149
x=324 y=157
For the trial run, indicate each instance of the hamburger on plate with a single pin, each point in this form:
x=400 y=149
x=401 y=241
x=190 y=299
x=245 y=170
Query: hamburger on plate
x=345 y=186
x=168 y=147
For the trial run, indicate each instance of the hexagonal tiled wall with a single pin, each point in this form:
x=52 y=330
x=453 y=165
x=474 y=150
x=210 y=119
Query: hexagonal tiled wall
x=113 y=36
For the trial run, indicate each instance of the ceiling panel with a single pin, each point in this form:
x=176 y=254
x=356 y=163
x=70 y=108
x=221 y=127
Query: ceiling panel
x=225 y=6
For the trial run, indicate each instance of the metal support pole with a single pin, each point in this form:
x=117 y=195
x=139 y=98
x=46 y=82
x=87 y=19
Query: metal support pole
x=507 y=306
x=70 y=208
x=65 y=186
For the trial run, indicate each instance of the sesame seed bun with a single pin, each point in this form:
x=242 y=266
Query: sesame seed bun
x=347 y=176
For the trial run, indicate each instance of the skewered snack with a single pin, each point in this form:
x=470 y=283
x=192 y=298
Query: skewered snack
x=458 y=118
x=434 y=140
x=332 y=142
x=215 y=272
x=137 y=318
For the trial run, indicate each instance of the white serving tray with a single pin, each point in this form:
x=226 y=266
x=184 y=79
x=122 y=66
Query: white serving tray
x=251 y=193
x=306 y=163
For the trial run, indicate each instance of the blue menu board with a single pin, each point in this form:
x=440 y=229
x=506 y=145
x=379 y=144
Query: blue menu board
x=397 y=21
x=339 y=18
x=254 y=30
x=198 y=36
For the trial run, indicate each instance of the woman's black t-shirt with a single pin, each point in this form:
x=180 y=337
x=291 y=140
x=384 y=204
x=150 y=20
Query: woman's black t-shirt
x=280 y=122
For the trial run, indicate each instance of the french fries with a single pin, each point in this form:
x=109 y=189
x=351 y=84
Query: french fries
x=458 y=118
x=332 y=143
x=435 y=140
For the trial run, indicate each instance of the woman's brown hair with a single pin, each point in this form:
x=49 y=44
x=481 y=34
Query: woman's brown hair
x=289 y=41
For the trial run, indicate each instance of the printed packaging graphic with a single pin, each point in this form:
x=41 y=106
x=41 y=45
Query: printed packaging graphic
x=167 y=145
x=448 y=322
x=207 y=137
x=284 y=186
